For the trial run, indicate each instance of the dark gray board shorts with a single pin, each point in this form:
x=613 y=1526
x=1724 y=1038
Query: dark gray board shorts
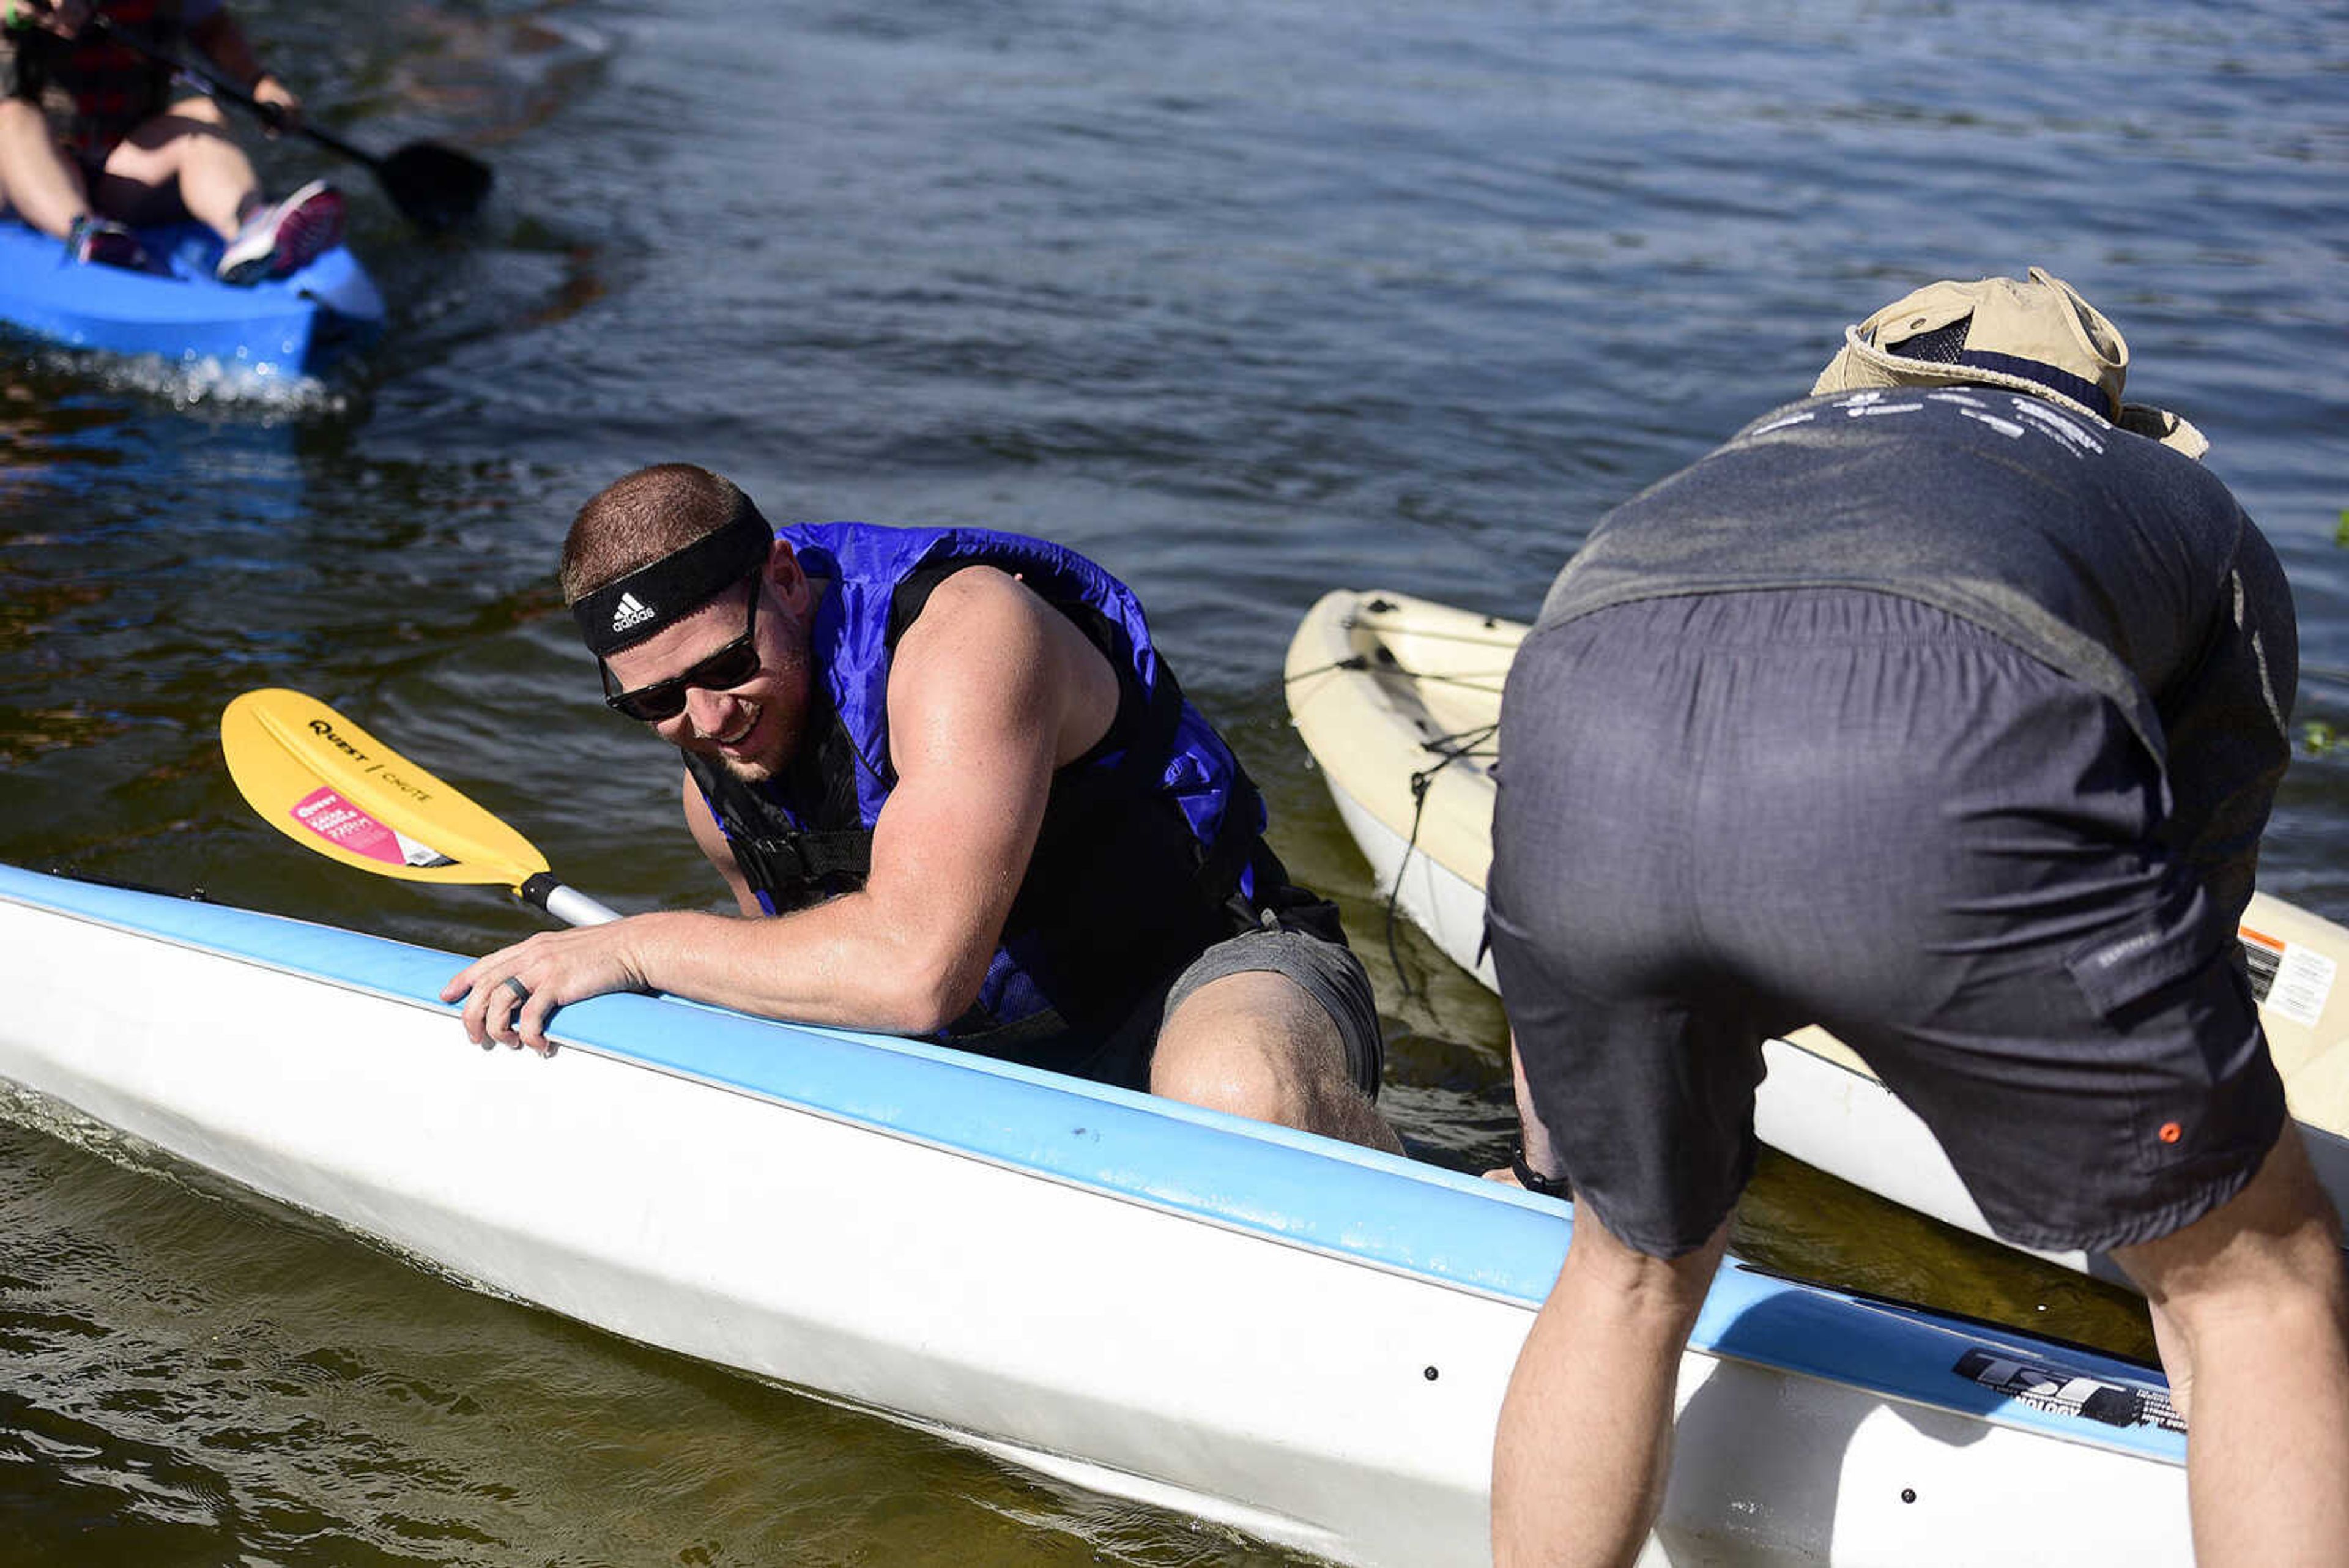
x=1328 y=972
x=1724 y=816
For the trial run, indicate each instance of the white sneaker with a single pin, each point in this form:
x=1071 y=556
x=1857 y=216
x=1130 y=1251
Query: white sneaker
x=285 y=237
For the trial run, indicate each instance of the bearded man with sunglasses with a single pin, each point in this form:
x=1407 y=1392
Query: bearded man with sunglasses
x=956 y=793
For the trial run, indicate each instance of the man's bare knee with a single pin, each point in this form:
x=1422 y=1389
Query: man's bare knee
x=189 y=117
x=1257 y=1045
x=199 y=109
x=1249 y=1043
x=1237 y=1082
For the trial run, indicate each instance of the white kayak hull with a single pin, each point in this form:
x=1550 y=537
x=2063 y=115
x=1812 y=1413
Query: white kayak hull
x=1382 y=686
x=1304 y=1341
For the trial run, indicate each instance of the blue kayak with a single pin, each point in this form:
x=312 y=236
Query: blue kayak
x=290 y=325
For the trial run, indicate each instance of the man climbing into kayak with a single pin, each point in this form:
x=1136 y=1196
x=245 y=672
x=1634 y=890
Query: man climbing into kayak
x=1944 y=708
x=958 y=795
x=94 y=141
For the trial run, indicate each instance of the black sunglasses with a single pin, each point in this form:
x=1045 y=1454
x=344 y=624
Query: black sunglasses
x=730 y=666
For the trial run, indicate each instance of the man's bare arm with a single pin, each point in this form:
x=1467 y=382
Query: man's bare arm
x=991 y=690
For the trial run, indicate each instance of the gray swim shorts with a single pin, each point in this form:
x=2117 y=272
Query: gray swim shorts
x=1724 y=816
x=1329 y=974
x=1328 y=971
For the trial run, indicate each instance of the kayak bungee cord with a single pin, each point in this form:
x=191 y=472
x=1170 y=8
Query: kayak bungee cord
x=1420 y=780
x=1473 y=743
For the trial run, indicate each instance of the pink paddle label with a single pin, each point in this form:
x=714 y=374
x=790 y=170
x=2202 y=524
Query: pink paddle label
x=345 y=827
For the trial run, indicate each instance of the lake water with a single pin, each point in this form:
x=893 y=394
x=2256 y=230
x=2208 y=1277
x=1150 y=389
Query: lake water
x=1247 y=299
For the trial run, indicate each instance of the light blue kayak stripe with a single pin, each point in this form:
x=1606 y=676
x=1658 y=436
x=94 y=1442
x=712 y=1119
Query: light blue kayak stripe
x=1385 y=1211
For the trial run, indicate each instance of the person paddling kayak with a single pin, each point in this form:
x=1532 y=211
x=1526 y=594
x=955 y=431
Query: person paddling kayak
x=94 y=143
x=956 y=793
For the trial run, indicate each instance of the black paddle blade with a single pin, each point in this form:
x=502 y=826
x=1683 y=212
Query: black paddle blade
x=435 y=187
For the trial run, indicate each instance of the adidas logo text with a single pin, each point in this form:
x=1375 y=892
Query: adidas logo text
x=632 y=611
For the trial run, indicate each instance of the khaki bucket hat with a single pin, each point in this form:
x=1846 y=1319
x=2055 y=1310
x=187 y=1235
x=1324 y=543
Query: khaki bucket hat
x=2037 y=335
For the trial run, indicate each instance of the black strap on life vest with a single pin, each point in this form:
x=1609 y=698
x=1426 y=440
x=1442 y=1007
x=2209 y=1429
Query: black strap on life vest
x=816 y=859
x=794 y=865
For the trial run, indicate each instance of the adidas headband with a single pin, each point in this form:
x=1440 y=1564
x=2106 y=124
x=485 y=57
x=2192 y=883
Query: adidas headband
x=660 y=593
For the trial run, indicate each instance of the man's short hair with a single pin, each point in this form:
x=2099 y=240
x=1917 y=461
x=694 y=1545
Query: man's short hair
x=641 y=517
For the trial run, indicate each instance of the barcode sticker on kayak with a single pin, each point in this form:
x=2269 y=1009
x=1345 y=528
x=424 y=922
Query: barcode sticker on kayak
x=2067 y=1392
x=2290 y=979
x=345 y=827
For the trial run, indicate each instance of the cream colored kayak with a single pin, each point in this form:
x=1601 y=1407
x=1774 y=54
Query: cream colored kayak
x=1399 y=701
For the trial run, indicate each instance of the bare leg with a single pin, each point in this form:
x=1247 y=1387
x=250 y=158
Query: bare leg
x=183 y=159
x=1533 y=1132
x=1256 y=1044
x=37 y=181
x=1541 y=1151
x=1585 y=1442
x=2252 y=1309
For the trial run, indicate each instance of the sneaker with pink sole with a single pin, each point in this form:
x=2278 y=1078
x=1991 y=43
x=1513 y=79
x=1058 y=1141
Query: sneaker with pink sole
x=286 y=236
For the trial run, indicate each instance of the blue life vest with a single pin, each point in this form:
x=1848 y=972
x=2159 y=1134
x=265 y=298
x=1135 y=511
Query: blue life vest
x=1151 y=848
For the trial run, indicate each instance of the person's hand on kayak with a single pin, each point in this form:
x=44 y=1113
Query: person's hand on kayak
x=515 y=991
x=280 y=106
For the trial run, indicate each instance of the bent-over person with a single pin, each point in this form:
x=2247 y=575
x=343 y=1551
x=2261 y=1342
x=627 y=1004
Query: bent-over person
x=1943 y=709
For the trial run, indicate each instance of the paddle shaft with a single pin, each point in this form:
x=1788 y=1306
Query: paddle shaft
x=269 y=114
x=567 y=904
x=434 y=186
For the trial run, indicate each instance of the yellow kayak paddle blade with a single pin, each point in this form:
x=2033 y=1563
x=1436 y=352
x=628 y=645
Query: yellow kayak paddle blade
x=332 y=787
